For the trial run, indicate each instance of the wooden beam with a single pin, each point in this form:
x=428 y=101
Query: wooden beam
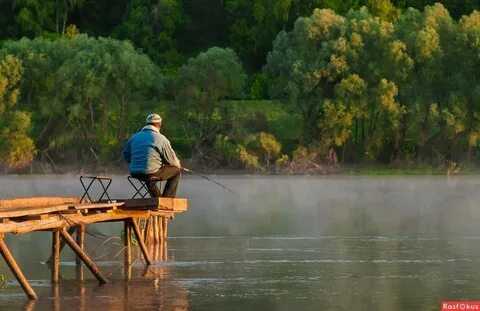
x=55 y=263
x=87 y=206
x=68 y=220
x=127 y=241
x=165 y=228
x=140 y=241
x=37 y=202
x=146 y=230
x=83 y=256
x=156 y=230
x=162 y=229
x=7 y=255
x=80 y=236
x=29 y=211
x=62 y=245
x=38 y=210
x=169 y=204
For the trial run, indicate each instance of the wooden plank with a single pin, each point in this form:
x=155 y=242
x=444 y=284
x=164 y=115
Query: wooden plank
x=31 y=217
x=179 y=205
x=38 y=210
x=37 y=201
x=68 y=220
x=87 y=206
x=29 y=211
x=7 y=255
x=83 y=256
x=172 y=204
x=32 y=225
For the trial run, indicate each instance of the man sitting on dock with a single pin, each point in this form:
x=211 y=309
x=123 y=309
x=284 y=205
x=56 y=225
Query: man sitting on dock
x=150 y=158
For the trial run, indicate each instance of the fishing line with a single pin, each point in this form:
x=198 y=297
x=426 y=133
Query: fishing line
x=209 y=179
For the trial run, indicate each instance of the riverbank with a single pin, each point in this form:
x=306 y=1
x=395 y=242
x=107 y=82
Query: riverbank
x=41 y=168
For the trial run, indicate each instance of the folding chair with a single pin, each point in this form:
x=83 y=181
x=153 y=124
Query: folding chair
x=140 y=186
x=103 y=181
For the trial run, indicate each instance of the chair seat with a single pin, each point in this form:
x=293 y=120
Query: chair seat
x=142 y=189
x=146 y=178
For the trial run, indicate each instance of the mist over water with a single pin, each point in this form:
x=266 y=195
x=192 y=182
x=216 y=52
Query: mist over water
x=278 y=243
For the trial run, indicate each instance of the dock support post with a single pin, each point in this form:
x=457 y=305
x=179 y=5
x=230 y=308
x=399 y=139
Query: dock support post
x=160 y=228
x=127 y=241
x=81 y=242
x=146 y=230
x=157 y=229
x=165 y=228
x=55 y=263
x=140 y=241
x=83 y=256
x=7 y=255
x=71 y=230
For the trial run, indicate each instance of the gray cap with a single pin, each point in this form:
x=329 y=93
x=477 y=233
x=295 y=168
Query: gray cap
x=154 y=118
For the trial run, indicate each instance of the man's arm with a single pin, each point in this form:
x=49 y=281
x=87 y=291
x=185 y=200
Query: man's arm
x=127 y=153
x=168 y=154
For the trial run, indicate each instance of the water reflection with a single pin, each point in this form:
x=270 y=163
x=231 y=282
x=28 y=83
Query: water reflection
x=149 y=287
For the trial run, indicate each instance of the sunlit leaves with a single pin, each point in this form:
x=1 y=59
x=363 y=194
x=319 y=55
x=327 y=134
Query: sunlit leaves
x=372 y=84
x=16 y=147
x=83 y=90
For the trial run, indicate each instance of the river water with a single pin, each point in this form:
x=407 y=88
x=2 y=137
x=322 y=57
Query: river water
x=278 y=243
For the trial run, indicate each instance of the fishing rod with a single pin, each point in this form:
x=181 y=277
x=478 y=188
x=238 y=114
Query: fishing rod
x=209 y=179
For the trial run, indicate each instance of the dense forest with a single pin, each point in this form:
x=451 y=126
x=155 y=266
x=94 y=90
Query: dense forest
x=282 y=85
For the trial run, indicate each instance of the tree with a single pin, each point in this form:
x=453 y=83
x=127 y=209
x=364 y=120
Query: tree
x=253 y=26
x=304 y=72
x=202 y=85
x=16 y=147
x=429 y=38
x=85 y=92
x=152 y=26
x=341 y=75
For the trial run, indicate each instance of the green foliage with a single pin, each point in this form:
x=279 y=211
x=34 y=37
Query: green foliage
x=254 y=24
x=152 y=26
x=384 y=9
x=3 y=280
x=202 y=85
x=249 y=160
x=372 y=79
x=226 y=150
x=383 y=91
x=255 y=151
x=16 y=147
x=84 y=92
x=265 y=146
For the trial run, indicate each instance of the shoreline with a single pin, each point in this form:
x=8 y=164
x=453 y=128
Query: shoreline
x=347 y=170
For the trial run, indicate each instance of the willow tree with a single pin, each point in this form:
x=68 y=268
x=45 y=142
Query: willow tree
x=86 y=93
x=465 y=117
x=16 y=147
x=340 y=74
x=303 y=68
x=430 y=38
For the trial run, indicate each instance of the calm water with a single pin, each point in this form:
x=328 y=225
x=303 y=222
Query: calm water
x=280 y=243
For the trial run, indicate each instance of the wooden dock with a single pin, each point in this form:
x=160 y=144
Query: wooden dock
x=145 y=219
